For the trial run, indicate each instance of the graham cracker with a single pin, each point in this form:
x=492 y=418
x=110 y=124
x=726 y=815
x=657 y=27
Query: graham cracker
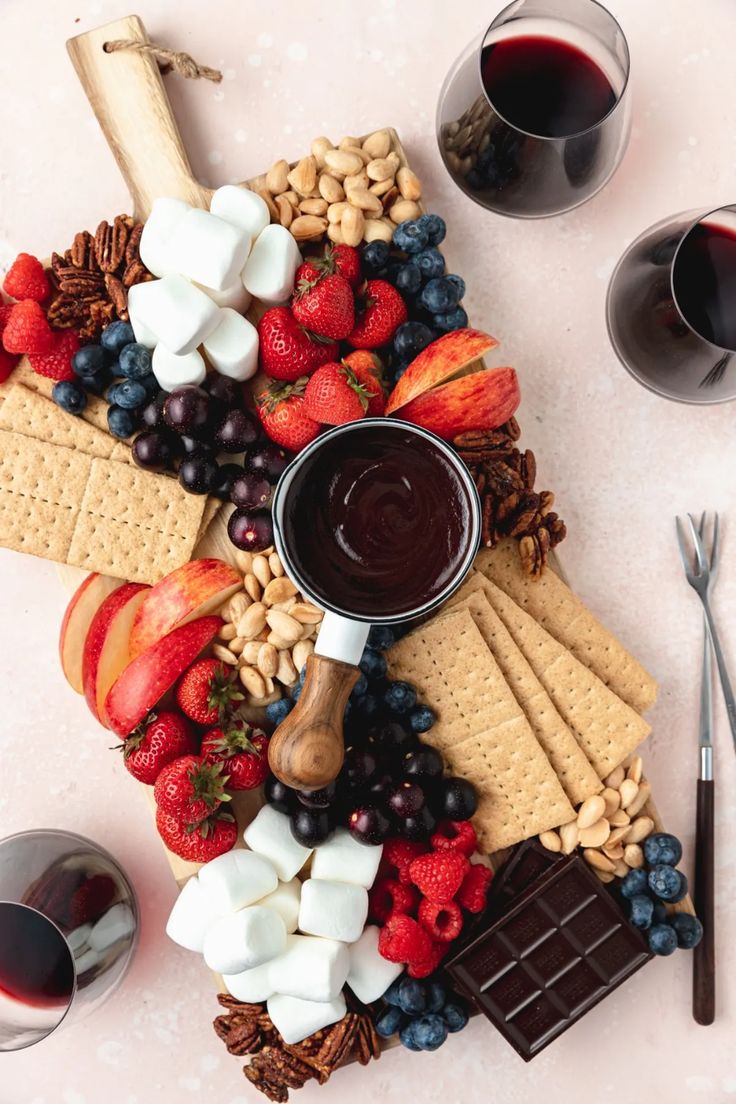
x=606 y=728
x=95 y=412
x=554 y=606
x=29 y=413
x=210 y=512
x=577 y=777
x=481 y=730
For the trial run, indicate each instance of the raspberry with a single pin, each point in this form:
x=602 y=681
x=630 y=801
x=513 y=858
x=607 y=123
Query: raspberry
x=7 y=364
x=474 y=890
x=455 y=835
x=398 y=853
x=57 y=364
x=439 y=875
x=404 y=940
x=27 y=330
x=388 y=895
x=443 y=922
x=423 y=967
x=26 y=279
x=5 y=310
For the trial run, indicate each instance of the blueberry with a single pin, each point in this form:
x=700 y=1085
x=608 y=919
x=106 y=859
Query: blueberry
x=135 y=361
x=634 y=882
x=435 y=228
x=375 y=255
x=151 y=385
x=129 y=394
x=454 y=1016
x=660 y=914
x=98 y=383
x=89 y=360
x=410 y=236
x=381 y=637
x=688 y=929
x=391 y=996
x=121 y=423
x=410 y=338
x=406 y=1035
x=70 y=396
x=389 y=1022
x=641 y=911
x=429 y=1032
x=277 y=711
x=662 y=848
x=116 y=336
x=360 y=688
x=431 y=263
x=436 y=996
x=667 y=883
x=368 y=706
x=412 y=996
x=408 y=278
x=372 y=664
x=439 y=296
x=662 y=939
x=421 y=718
x=400 y=697
x=458 y=282
x=456 y=319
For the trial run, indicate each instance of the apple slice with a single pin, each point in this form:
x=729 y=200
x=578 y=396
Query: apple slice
x=83 y=605
x=107 y=647
x=448 y=356
x=193 y=590
x=147 y=678
x=483 y=400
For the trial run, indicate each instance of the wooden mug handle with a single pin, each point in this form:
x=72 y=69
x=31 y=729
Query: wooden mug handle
x=306 y=750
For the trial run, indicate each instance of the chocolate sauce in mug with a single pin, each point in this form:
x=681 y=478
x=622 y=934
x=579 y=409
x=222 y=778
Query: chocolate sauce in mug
x=377 y=521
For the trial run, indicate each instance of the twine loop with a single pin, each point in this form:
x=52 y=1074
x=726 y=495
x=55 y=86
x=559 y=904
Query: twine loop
x=176 y=60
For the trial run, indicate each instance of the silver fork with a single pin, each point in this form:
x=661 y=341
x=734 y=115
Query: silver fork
x=698 y=574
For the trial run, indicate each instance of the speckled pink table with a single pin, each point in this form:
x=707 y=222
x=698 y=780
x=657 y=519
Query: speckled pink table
x=621 y=461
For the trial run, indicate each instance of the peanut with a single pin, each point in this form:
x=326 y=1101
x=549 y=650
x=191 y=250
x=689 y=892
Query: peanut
x=272 y=208
x=335 y=234
x=361 y=153
x=343 y=161
x=251 y=651
x=633 y=856
x=301 y=652
x=306 y=613
x=390 y=198
x=363 y=199
x=591 y=811
x=619 y=818
x=316 y=206
x=330 y=189
x=378 y=144
x=598 y=860
x=352 y=225
x=615 y=778
x=628 y=790
x=268 y=660
x=409 y=183
x=252 y=621
x=404 y=209
x=569 y=837
x=261 y=570
x=616 y=836
x=612 y=799
x=227 y=632
x=378 y=230
x=349 y=142
x=320 y=146
x=278 y=590
x=284 y=626
x=237 y=606
x=303 y=177
x=614 y=853
x=308 y=227
x=381 y=187
x=550 y=840
x=639 y=829
x=243 y=561
x=336 y=210
x=622 y=868
x=220 y=652
x=286 y=211
x=604 y=876
x=380 y=169
x=253 y=682
x=286 y=671
x=595 y=835
x=636 y=806
x=274 y=563
x=635 y=769
x=252 y=587
x=292 y=198
x=357 y=180
x=236 y=645
x=277 y=177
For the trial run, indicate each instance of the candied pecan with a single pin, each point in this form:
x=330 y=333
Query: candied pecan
x=65 y=313
x=80 y=284
x=132 y=249
x=135 y=272
x=528 y=469
x=82 y=252
x=116 y=295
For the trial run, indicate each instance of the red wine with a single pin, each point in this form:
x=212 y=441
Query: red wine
x=704 y=282
x=545 y=86
x=36 y=965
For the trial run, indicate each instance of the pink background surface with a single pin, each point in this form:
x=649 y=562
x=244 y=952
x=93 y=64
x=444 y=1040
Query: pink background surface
x=621 y=461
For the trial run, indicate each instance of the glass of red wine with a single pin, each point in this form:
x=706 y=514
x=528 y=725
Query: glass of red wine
x=671 y=307
x=533 y=119
x=68 y=930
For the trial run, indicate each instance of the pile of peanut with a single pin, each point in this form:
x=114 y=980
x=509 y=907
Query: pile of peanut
x=269 y=631
x=609 y=827
x=353 y=192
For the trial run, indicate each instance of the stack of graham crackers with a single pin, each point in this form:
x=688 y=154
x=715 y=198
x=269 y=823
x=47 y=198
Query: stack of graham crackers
x=69 y=492
x=536 y=701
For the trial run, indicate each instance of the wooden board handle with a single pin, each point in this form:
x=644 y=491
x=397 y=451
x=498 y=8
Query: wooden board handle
x=128 y=97
x=704 y=956
x=306 y=750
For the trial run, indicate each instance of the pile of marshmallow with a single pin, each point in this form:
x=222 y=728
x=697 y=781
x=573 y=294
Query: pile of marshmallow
x=210 y=264
x=244 y=909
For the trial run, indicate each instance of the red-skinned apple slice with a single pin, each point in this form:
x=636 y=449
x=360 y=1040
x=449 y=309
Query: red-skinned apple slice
x=447 y=356
x=196 y=589
x=483 y=400
x=147 y=678
x=83 y=605
x=107 y=647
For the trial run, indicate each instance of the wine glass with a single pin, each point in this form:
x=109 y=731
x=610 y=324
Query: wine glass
x=670 y=307
x=534 y=117
x=68 y=930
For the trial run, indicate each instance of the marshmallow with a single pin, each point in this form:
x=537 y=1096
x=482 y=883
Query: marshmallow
x=143 y=335
x=209 y=250
x=236 y=879
x=232 y=348
x=242 y=208
x=370 y=974
x=294 y=1019
x=269 y=834
x=335 y=910
x=117 y=923
x=274 y=259
x=285 y=899
x=236 y=296
x=251 y=985
x=158 y=231
x=191 y=916
x=310 y=968
x=244 y=939
x=174 y=311
x=342 y=859
x=173 y=371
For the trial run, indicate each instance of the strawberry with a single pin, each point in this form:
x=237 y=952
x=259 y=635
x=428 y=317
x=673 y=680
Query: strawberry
x=7 y=364
x=443 y=922
x=325 y=306
x=156 y=743
x=200 y=842
x=283 y=416
x=26 y=279
x=423 y=967
x=57 y=363
x=389 y=896
x=288 y=351
x=27 y=330
x=399 y=855
x=334 y=395
x=403 y=940
x=207 y=691
x=474 y=890
x=93 y=898
x=190 y=789
x=243 y=753
x=368 y=371
x=380 y=311
x=455 y=835
x=342 y=259
x=439 y=874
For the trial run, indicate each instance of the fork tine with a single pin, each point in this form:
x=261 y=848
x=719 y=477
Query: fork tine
x=701 y=527
x=699 y=550
x=714 y=546
x=682 y=545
